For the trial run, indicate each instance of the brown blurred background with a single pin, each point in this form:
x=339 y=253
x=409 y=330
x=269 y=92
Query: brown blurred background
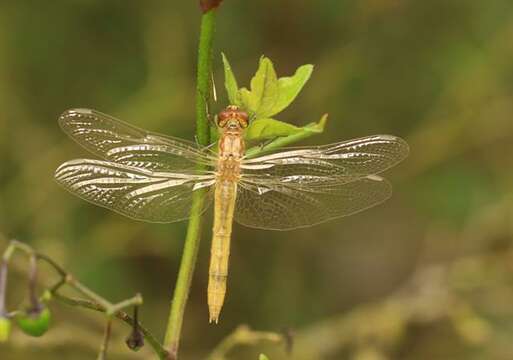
x=427 y=275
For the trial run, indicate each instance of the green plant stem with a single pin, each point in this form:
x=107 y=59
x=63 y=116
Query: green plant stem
x=183 y=283
x=203 y=79
x=192 y=240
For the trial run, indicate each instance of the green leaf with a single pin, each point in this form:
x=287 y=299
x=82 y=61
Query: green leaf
x=263 y=357
x=269 y=129
x=244 y=97
x=317 y=127
x=264 y=89
x=289 y=88
x=268 y=94
x=230 y=83
x=303 y=133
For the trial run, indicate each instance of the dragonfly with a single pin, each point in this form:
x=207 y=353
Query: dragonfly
x=152 y=177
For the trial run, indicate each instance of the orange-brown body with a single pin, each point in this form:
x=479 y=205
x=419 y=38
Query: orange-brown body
x=231 y=149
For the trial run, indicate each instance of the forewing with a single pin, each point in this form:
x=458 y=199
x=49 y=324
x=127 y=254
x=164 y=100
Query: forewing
x=352 y=159
x=137 y=193
x=117 y=141
x=267 y=204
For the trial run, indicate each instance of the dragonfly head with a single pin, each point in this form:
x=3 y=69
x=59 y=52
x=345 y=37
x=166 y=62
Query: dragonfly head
x=233 y=118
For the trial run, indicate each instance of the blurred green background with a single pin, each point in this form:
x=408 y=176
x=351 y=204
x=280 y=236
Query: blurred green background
x=427 y=275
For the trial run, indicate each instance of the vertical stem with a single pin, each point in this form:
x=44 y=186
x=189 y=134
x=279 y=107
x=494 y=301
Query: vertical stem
x=192 y=240
x=136 y=318
x=203 y=76
x=102 y=355
x=34 y=301
x=3 y=285
x=183 y=284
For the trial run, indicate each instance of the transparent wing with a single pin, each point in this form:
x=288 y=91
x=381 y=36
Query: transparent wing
x=117 y=141
x=351 y=159
x=137 y=193
x=286 y=206
x=306 y=186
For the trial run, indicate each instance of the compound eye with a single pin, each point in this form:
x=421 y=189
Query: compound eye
x=221 y=118
x=244 y=119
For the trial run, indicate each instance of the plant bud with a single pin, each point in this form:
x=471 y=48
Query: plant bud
x=135 y=341
x=5 y=329
x=47 y=296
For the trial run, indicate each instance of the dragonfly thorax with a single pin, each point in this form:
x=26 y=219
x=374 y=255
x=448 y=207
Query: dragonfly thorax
x=232 y=122
x=231 y=150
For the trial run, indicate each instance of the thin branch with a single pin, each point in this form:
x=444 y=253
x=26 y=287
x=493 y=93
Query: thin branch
x=243 y=335
x=3 y=286
x=95 y=302
x=106 y=338
x=84 y=290
x=121 y=315
x=34 y=301
x=53 y=264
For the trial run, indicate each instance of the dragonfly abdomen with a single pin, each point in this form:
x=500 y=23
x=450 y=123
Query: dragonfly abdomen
x=225 y=195
x=231 y=150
